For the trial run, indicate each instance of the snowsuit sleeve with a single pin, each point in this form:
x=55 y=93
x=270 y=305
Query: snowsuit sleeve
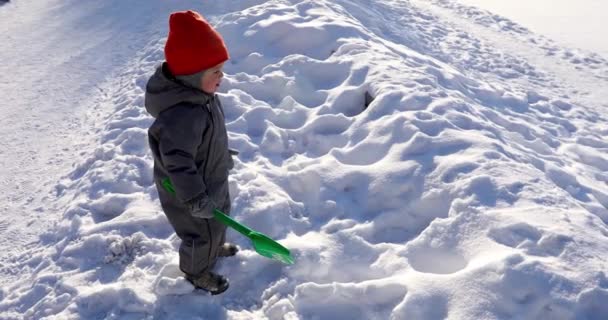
x=179 y=137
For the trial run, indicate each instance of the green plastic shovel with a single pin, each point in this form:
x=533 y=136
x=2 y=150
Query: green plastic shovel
x=262 y=244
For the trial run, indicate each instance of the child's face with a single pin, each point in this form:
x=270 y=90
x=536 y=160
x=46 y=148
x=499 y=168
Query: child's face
x=212 y=78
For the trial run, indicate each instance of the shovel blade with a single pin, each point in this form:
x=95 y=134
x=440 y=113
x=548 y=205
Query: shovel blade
x=269 y=248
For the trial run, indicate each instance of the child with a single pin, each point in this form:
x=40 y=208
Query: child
x=189 y=143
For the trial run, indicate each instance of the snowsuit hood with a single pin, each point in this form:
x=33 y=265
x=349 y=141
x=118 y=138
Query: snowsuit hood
x=164 y=91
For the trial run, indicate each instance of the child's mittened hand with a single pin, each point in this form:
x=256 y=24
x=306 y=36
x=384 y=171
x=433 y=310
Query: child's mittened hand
x=202 y=207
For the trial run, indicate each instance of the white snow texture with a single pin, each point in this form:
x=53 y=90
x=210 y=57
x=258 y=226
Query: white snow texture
x=473 y=186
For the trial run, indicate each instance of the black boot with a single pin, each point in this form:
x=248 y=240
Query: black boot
x=209 y=281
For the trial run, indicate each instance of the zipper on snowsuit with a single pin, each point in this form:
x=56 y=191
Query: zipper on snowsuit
x=204 y=171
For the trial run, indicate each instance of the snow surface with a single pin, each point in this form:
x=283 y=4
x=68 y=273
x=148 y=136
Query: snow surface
x=575 y=23
x=473 y=186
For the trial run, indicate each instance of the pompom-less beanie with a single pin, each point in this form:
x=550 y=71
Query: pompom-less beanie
x=192 y=45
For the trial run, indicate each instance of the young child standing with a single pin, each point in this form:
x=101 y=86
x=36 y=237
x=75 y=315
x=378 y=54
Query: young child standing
x=189 y=143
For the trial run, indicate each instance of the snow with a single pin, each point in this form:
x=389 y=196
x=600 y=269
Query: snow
x=576 y=24
x=472 y=186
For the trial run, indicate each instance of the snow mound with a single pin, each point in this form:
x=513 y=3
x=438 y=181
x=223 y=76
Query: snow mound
x=411 y=178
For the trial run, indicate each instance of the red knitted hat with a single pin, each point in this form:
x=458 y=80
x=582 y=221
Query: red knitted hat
x=192 y=45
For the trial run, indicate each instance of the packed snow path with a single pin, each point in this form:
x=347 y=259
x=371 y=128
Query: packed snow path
x=474 y=186
x=58 y=58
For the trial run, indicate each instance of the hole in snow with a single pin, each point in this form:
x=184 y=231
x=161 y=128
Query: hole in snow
x=437 y=261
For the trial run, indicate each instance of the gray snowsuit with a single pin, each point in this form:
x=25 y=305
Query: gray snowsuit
x=189 y=143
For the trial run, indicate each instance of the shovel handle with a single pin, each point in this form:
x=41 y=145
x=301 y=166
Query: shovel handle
x=219 y=215
x=226 y=220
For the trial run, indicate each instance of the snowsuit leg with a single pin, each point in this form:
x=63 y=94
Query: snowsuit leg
x=200 y=238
